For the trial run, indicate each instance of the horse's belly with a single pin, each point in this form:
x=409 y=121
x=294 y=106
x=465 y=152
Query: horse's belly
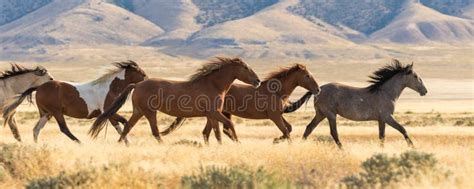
x=249 y=115
x=183 y=112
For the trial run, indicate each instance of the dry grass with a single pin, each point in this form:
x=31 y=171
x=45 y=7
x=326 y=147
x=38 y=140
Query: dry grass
x=146 y=164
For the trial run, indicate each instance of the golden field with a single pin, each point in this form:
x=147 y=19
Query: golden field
x=441 y=123
x=316 y=162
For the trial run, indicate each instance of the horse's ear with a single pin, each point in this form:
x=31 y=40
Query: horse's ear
x=237 y=59
x=410 y=67
x=301 y=66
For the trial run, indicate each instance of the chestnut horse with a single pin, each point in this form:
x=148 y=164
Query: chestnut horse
x=85 y=100
x=375 y=102
x=201 y=96
x=14 y=82
x=265 y=102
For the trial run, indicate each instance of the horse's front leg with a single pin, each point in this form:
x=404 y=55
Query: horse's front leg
x=13 y=128
x=280 y=123
x=114 y=120
x=392 y=122
x=216 y=115
x=230 y=131
x=288 y=127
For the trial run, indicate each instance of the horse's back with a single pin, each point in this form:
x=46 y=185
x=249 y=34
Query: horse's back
x=350 y=102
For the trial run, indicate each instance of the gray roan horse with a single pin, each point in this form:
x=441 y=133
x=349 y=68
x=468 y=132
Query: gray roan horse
x=13 y=82
x=375 y=102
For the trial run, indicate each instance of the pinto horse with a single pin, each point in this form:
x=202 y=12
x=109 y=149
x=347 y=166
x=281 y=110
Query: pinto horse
x=201 y=96
x=265 y=102
x=14 y=82
x=83 y=100
x=375 y=102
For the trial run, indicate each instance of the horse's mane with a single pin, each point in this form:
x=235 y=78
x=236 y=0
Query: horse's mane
x=16 y=70
x=119 y=66
x=210 y=67
x=283 y=72
x=382 y=75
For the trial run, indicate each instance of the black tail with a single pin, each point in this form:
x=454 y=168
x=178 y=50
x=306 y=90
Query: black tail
x=296 y=105
x=10 y=107
x=100 y=122
x=176 y=124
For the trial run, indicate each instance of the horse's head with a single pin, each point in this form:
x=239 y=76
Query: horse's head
x=244 y=73
x=133 y=72
x=36 y=76
x=305 y=79
x=414 y=81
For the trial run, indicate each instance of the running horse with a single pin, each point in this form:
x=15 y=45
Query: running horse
x=265 y=102
x=375 y=102
x=15 y=81
x=81 y=100
x=201 y=96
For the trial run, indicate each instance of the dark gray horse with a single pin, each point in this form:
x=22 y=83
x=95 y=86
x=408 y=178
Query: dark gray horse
x=375 y=102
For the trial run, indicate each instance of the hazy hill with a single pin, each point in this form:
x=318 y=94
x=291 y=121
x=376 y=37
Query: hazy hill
x=251 y=28
x=419 y=24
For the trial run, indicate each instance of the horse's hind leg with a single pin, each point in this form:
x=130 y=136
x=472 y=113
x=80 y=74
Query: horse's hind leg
x=392 y=122
x=151 y=116
x=39 y=125
x=13 y=128
x=207 y=131
x=381 y=133
x=332 y=124
x=313 y=124
x=63 y=127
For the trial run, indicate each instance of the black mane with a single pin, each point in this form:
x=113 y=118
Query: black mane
x=16 y=70
x=379 y=77
x=130 y=64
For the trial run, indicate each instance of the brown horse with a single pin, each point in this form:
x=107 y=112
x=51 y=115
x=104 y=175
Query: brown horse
x=265 y=102
x=14 y=82
x=86 y=100
x=201 y=96
x=375 y=102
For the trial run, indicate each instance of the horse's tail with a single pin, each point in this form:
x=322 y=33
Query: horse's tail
x=175 y=125
x=296 y=105
x=100 y=122
x=10 y=107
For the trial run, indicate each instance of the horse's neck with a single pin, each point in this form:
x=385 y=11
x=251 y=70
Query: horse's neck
x=221 y=79
x=288 y=86
x=104 y=82
x=393 y=88
x=16 y=85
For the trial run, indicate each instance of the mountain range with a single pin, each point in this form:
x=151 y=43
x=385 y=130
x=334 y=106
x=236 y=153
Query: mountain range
x=308 y=29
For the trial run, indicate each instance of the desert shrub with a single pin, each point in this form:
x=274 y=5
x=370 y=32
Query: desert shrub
x=382 y=171
x=78 y=180
x=188 y=143
x=232 y=177
x=324 y=139
x=116 y=175
x=25 y=162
